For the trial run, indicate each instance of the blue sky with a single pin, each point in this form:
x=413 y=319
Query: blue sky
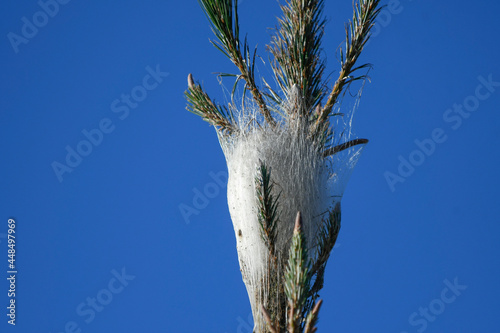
x=102 y=245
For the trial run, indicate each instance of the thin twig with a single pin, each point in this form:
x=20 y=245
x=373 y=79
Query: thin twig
x=200 y=104
x=357 y=34
x=344 y=146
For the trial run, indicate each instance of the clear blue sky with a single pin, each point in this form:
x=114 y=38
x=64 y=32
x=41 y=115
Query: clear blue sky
x=102 y=244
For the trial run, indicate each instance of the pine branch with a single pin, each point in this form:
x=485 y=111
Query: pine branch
x=287 y=293
x=357 y=34
x=268 y=207
x=312 y=318
x=296 y=49
x=327 y=239
x=297 y=278
x=317 y=285
x=200 y=104
x=268 y=220
x=223 y=17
